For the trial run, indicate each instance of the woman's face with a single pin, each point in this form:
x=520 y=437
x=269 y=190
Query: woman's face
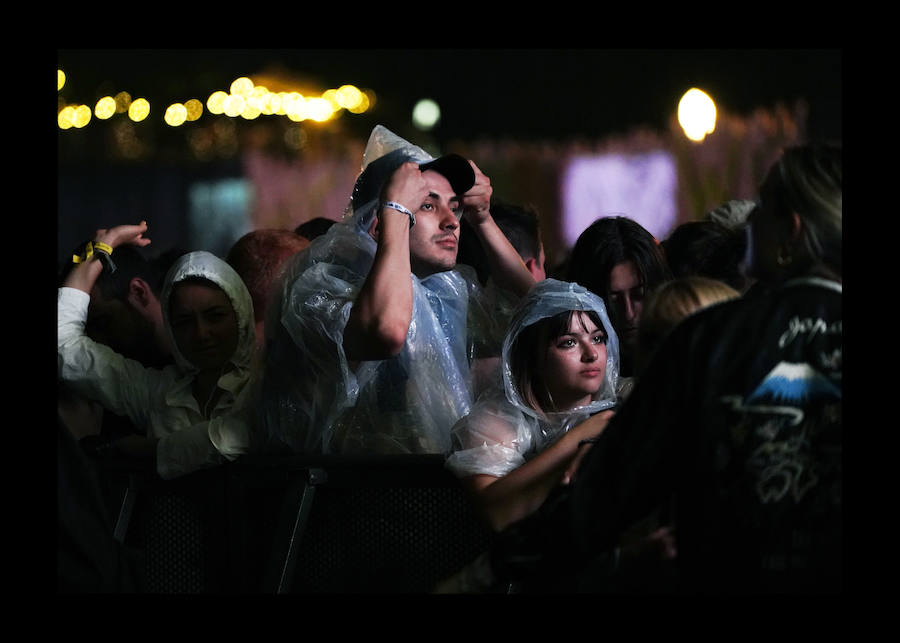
x=204 y=324
x=626 y=302
x=575 y=363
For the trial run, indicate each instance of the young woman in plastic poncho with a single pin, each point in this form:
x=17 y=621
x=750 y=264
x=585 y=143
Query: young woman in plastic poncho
x=738 y=414
x=560 y=368
x=183 y=408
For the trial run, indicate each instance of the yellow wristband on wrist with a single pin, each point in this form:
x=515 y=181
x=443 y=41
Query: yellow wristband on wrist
x=87 y=254
x=103 y=254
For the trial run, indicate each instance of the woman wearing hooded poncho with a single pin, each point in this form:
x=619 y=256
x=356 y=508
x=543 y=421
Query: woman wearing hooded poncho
x=559 y=364
x=184 y=408
x=737 y=415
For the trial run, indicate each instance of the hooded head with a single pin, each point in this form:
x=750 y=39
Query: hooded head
x=194 y=267
x=546 y=300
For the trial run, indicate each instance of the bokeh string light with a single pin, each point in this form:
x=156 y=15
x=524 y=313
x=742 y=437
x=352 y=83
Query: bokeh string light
x=244 y=99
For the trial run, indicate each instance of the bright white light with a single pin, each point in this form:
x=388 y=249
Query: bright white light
x=426 y=114
x=697 y=114
x=642 y=187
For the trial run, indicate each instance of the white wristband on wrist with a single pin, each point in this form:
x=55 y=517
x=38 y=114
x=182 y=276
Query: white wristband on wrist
x=401 y=208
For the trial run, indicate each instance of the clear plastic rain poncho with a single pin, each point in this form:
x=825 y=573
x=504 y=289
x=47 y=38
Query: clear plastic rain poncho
x=206 y=443
x=210 y=267
x=502 y=431
x=312 y=398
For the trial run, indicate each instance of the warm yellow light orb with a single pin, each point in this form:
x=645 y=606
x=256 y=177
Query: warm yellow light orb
x=242 y=86
x=139 y=110
x=273 y=104
x=105 y=107
x=257 y=99
x=65 y=116
x=216 y=102
x=233 y=105
x=123 y=102
x=194 y=109
x=349 y=97
x=365 y=101
x=293 y=104
x=82 y=116
x=250 y=111
x=319 y=109
x=60 y=79
x=331 y=96
x=176 y=114
x=697 y=114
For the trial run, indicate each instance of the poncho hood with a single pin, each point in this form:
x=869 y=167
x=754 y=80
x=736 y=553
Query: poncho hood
x=547 y=299
x=208 y=266
x=385 y=152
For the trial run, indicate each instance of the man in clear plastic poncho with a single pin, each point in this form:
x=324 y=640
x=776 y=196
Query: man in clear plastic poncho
x=371 y=341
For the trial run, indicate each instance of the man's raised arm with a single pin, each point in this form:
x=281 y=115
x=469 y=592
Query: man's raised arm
x=380 y=317
x=507 y=268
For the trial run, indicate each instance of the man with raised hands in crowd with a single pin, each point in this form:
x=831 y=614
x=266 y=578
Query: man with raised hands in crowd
x=372 y=347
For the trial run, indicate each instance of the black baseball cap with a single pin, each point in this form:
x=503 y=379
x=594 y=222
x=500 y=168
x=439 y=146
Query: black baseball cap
x=456 y=169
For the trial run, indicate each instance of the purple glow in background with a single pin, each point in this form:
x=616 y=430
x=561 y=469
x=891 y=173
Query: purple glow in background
x=641 y=187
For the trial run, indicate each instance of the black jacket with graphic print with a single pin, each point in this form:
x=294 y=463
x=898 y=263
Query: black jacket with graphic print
x=736 y=423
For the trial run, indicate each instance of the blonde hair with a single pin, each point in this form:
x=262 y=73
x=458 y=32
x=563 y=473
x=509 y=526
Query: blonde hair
x=807 y=180
x=671 y=303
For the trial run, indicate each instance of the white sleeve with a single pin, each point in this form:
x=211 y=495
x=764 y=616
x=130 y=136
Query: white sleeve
x=122 y=385
x=203 y=445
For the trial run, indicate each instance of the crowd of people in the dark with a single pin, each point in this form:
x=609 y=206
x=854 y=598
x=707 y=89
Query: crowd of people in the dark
x=649 y=415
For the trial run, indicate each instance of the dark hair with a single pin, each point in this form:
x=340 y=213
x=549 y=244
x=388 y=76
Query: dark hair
x=707 y=249
x=609 y=241
x=314 y=227
x=528 y=351
x=519 y=223
x=197 y=280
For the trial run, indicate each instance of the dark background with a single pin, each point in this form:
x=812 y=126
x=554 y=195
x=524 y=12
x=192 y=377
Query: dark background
x=522 y=95
x=526 y=94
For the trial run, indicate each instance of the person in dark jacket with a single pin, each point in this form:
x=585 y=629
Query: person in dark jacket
x=738 y=417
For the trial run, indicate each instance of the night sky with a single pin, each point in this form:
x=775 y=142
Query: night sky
x=556 y=94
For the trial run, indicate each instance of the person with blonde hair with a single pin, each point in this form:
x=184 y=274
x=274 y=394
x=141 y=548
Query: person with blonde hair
x=738 y=417
x=671 y=303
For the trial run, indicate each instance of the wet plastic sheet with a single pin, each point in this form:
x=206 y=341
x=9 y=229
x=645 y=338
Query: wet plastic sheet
x=502 y=432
